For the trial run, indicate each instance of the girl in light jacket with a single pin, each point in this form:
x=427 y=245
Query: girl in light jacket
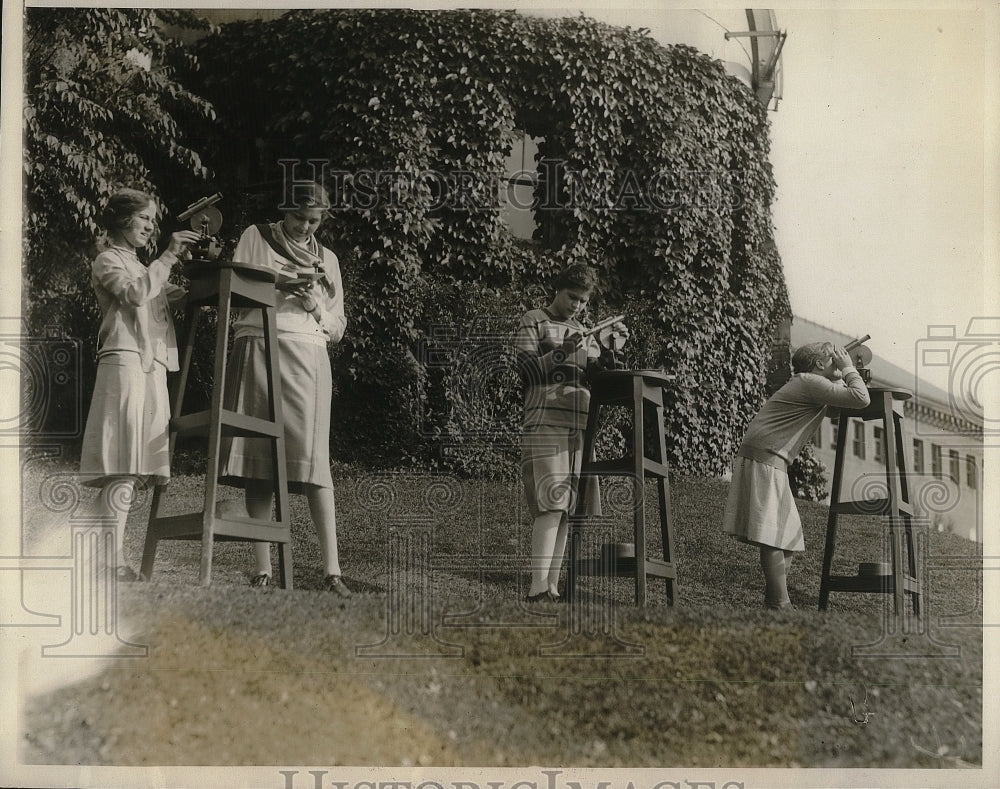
x=126 y=437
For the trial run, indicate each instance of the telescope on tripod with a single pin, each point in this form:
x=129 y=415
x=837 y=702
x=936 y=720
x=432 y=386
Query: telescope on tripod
x=204 y=218
x=861 y=355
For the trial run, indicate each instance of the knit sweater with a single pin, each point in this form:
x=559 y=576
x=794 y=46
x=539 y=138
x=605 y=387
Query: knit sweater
x=135 y=306
x=790 y=417
x=555 y=392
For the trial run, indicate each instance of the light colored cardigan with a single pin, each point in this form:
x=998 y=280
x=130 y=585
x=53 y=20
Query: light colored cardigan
x=135 y=306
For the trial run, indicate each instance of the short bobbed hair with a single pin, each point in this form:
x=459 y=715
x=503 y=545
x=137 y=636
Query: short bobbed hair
x=121 y=207
x=300 y=195
x=805 y=357
x=578 y=276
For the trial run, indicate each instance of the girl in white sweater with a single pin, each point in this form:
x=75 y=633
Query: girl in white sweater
x=309 y=317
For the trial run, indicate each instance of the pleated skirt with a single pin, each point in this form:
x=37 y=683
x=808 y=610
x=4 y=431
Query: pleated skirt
x=128 y=422
x=551 y=459
x=760 y=508
x=307 y=389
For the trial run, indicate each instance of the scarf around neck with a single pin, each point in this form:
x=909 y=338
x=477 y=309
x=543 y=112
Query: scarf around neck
x=304 y=256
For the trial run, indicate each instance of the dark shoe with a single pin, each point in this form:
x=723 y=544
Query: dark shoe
x=334 y=584
x=260 y=580
x=126 y=574
x=542 y=597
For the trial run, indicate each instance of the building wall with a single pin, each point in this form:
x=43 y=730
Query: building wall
x=951 y=504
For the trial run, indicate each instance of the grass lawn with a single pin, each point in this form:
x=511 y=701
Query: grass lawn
x=436 y=661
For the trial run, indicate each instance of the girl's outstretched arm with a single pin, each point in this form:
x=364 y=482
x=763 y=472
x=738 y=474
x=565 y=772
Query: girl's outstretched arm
x=125 y=283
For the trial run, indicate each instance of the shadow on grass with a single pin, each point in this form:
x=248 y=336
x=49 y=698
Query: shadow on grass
x=720 y=681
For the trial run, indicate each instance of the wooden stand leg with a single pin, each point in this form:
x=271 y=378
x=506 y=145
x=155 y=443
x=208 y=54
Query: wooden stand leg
x=895 y=509
x=278 y=460
x=831 y=523
x=192 y=316
x=638 y=500
x=663 y=496
x=641 y=392
x=904 y=492
x=583 y=492
x=215 y=432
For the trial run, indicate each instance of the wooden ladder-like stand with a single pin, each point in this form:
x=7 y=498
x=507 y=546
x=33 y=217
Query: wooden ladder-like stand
x=225 y=287
x=642 y=391
x=894 y=507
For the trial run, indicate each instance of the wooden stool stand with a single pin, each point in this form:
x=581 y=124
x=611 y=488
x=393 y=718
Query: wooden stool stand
x=895 y=507
x=226 y=286
x=642 y=390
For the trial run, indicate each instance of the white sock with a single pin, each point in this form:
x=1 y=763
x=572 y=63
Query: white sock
x=772 y=562
x=557 y=554
x=544 y=535
x=113 y=505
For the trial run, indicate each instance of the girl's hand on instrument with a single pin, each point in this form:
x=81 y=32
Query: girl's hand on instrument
x=180 y=240
x=571 y=343
x=614 y=336
x=309 y=303
x=569 y=350
x=842 y=358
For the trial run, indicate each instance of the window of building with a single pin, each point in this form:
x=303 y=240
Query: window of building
x=935 y=460
x=518 y=207
x=879 y=445
x=953 y=465
x=834 y=431
x=558 y=193
x=859 y=440
x=971 y=472
x=918 y=456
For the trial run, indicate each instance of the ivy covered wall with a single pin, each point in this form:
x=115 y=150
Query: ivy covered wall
x=655 y=170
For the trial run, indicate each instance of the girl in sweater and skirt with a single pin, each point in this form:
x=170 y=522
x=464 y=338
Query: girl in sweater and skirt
x=125 y=442
x=760 y=508
x=309 y=317
x=555 y=359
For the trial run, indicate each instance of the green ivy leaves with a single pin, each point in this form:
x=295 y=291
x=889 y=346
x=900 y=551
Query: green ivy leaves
x=102 y=109
x=659 y=177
